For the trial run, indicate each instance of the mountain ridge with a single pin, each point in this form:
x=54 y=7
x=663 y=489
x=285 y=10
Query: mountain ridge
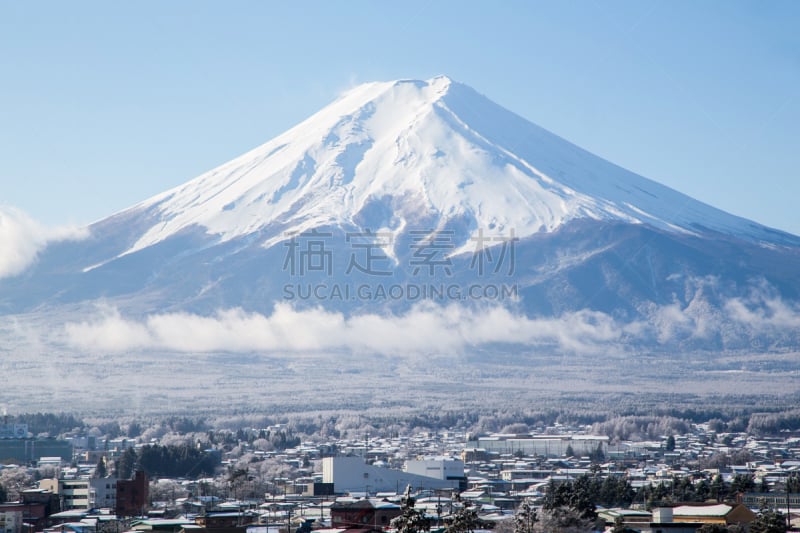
x=431 y=144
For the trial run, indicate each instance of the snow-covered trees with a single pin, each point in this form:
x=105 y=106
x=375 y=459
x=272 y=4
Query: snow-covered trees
x=13 y=481
x=525 y=518
x=465 y=518
x=411 y=520
x=768 y=520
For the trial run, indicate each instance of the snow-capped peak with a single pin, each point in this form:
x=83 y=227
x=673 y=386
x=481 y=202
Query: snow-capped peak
x=399 y=154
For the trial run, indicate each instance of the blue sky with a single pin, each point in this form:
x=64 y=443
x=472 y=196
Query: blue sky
x=107 y=103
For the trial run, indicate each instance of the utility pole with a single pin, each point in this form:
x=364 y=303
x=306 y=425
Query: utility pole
x=438 y=508
x=788 y=511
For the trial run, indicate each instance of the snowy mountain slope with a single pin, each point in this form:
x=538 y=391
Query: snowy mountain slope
x=430 y=151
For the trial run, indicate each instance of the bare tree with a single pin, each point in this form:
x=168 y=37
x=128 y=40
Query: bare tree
x=525 y=518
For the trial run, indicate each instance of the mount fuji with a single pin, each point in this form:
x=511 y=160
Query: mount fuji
x=424 y=198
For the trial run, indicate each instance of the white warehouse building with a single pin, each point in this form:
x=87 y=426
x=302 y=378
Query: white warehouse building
x=439 y=467
x=352 y=474
x=544 y=445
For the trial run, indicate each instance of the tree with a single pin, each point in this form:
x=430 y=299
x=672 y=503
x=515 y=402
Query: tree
x=525 y=518
x=619 y=525
x=134 y=430
x=703 y=490
x=238 y=481
x=53 y=424
x=713 y=528
x=582 y=497
x=578 y=495
x=793 y=483
x=505 y=525
x=670 y=443
x=13 y=481
x=570 y=452
x=465 y=519
x=166 y=491
x=742 y=483
x=625 y=494
x=100 y=470
x=565 y=520
x=126 y=463
x=182 y=460
x=768 y=520
x=721 y=528
x=718 y=490
x=410 y=520
x=598 y=455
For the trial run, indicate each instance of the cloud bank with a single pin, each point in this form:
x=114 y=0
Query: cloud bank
x=22 y=238
x=424 y=329
x=759 y=320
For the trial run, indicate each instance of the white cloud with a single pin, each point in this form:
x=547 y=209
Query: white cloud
x=428 y=328
x=22 y=238
x=762 y=311
x=424 y=329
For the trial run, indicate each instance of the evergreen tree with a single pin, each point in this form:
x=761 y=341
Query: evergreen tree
x=670 y=446
x=177 y=461
x=718 y=490
x=742 y=483
x=410 y=520
x=703 y=489
x=598 y=456
x=793 y=483
x=625 y=493
x=100 y=470
x=607 y=493
x=465 y=519
x=582 y=499
x=768 y=521
x=126 y=464
x=577 y=495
